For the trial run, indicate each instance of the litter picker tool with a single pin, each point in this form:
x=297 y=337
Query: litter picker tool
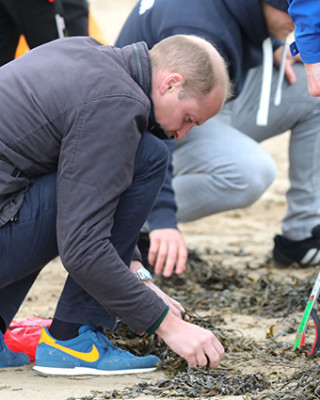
x=310 y=311
x=58 y=14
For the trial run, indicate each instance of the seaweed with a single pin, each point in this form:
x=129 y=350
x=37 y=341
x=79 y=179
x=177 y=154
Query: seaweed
x=210 y=290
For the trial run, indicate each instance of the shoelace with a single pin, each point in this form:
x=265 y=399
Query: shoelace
x=103 y=340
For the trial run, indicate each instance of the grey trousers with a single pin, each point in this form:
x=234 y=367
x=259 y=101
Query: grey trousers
x=220 y=165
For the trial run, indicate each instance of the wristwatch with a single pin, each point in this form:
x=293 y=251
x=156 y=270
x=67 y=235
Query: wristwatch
x=143 y=274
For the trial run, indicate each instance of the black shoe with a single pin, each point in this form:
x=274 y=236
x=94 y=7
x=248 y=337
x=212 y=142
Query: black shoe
x=303 y=252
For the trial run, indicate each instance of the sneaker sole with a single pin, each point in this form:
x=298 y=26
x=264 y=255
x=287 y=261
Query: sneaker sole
x=89 y=371
x=310 y=259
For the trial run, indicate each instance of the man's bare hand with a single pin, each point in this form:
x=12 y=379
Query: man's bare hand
x=196 y=345
x=288 y=70
x=175 y=307
x=167 y=252
x=313 y=76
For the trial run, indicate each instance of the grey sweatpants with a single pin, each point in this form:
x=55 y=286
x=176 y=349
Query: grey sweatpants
x=220 y=165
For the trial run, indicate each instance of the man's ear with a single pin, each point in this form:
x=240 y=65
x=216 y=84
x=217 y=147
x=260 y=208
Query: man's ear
x=171 y=82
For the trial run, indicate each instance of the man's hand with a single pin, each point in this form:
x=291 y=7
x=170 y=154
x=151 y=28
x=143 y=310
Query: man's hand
x=288 y=70
x=175 y=307
x=195 y=344
x=313 y=76
x=167 y=251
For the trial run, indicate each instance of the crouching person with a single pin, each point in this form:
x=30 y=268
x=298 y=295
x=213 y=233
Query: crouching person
x=78 y=178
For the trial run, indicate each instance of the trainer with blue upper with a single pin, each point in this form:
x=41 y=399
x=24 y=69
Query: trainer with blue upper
x=82 y=159
x=90 y=353
x=9 y=358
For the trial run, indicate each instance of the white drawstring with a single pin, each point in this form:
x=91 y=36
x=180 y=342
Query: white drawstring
x=267 y=67
x=277 y=97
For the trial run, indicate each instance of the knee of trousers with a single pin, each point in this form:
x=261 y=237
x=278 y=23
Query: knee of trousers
x=245 y=182
x=256 y=180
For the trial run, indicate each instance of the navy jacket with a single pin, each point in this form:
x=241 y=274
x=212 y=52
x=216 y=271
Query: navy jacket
x=235 y=27
x=76 y=107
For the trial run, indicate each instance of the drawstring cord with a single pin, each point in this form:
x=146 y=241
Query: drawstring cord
x=277 y=97
x=267 y=68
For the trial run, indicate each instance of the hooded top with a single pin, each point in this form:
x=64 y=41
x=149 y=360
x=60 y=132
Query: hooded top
x=237 y=29
x=281 y=5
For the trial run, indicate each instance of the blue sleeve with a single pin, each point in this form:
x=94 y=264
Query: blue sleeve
x=163 y=214
x=305 y=14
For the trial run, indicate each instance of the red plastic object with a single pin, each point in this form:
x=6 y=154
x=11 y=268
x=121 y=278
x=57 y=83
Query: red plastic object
x=23 y=335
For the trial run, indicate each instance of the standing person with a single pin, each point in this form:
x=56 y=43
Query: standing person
x=306 y=16
x=78 y=177
x=221 y=166
x=35 y=19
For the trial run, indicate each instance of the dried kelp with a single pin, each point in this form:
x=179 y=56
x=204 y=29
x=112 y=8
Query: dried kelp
x=279 y=373
x=195 y=381
x=304 y=384
x=210 y=284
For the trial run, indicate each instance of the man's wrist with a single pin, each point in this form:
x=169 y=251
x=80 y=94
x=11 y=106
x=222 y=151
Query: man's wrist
x=158 y=322
x=143 y=274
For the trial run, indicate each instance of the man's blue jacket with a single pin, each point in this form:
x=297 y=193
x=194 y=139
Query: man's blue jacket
x=237 y=29
x=306 y=16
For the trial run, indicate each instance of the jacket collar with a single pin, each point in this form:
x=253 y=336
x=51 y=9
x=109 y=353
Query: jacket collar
x=141 y=72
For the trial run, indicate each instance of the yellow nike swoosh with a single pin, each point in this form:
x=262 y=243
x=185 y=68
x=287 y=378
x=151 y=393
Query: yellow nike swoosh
x=91 y=356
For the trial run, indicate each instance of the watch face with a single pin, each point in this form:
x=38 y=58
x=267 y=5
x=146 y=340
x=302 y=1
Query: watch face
x=143 y=274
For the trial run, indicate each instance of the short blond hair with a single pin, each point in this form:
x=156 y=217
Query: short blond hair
x=196 y=60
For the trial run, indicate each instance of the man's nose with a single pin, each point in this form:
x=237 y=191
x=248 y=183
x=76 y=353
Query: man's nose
x=182 y=132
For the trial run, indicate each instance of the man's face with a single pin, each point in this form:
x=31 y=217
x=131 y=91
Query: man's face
x=278 y=22
x=178 y=116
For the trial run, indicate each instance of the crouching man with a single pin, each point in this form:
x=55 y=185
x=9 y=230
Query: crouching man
x=78 y=178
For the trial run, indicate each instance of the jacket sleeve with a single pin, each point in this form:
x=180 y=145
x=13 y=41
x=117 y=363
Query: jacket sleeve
x=96 y=166
x=305 y=14
x=163 y=214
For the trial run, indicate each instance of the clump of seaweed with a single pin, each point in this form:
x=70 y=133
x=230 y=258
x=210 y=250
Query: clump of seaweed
x=304 y=384
x=279 y=373
x=219 y=286
x=195 y=381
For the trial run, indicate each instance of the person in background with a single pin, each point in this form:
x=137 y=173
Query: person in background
x=306 y=16
x=221 y=166
x=35 y=19
x=79 y=174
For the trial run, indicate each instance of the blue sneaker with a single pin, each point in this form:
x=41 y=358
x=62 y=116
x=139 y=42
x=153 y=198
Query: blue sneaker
x=9 y=358
x=90 y=353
